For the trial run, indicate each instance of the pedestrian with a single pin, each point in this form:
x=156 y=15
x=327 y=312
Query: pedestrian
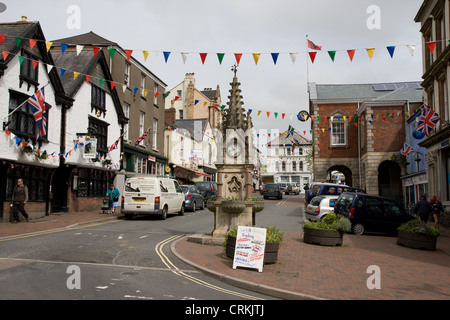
x=437 y=210
x=423 y=209
x=306 y=187
x=19 y=199
x=114 y=195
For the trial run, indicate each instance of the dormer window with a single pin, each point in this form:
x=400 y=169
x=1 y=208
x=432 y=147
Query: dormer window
x=28 y=72
x=98 y=100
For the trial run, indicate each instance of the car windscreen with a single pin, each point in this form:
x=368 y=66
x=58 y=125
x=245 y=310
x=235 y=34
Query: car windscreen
x=140 y=185
x=345 y=200
x=271 y=186
x=316 y=201
x=185 y=189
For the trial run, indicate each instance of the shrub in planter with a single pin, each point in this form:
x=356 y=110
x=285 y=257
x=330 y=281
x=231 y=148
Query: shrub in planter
x=328 y=232
x=274 y=239
x=418 y=235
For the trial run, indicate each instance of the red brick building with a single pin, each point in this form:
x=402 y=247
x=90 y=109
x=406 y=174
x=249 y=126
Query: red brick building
x=359 y=129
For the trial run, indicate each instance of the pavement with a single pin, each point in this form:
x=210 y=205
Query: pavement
x=303 y=271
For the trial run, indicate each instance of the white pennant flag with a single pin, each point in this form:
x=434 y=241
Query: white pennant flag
x=293 y=56
x=411 y=48
x=124 y=87
x=79 y=49
x=184 y=56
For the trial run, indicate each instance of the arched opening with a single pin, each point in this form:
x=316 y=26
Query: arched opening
x=340 y=174
x=389 y=182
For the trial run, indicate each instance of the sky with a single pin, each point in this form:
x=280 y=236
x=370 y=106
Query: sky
x=247 y=27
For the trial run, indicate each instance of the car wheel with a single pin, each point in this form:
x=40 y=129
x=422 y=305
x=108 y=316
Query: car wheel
x=358 y=229
x=164 y=213
x=265 y=198
x=203 y=205
x=193 y=207
x=181 y=212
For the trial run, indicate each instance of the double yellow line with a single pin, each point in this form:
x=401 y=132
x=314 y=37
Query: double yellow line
x=159 y=250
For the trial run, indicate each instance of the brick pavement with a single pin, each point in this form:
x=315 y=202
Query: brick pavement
x=306 y=271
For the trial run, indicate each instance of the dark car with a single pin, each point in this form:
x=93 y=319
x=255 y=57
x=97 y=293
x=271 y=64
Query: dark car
x=193 y=198
x=272 y=190
x=210 y=187
x=371 y=213
x=327 y=189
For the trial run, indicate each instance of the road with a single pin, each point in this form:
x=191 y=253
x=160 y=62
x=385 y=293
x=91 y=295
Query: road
x=124 y=260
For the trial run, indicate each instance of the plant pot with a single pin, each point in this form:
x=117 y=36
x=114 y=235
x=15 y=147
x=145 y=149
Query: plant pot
x=233 y=206
x=211 y=206
x=270 y=252
x=323 y=237
x=258 y=206
x=416 y=241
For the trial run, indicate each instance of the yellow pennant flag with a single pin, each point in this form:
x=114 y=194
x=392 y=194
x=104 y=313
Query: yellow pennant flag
x=49 y=45
x=259 y=112
x=323 y=130
x=345 y=118
x=145 y=52
x=370 y=52
x=75 y=75
x=256 y=57
x=145 y=92
x=205 y=103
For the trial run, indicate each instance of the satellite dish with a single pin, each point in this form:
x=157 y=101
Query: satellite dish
x=2 y=7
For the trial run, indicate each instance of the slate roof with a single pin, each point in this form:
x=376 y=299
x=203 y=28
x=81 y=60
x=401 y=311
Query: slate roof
x=410 y=91
x=87 y=39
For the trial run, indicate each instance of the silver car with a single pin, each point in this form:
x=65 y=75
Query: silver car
x=319 y=207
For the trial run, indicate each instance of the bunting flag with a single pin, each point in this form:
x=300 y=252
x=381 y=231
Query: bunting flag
x=275 y=57
x=128 y=53
x=406 y=149
x=2 y=38
x=312 y=55
x=96 y=50
x=32 y=43
x=332 y=54
x=166 y=55
x=79 y=49
x=203 y=57
x=112 y=52
x=184 y=56
x=370 y=52
x=145 y=53
x=293 y=56
x=256 y=57
x=141 y=138
x=351 y=54
x=63 y=47
x=220 y=57
x=391 y=50
x=48 y=45
x=238 y=57
x=431 y=45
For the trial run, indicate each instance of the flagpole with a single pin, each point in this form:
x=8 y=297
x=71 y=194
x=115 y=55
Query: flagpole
x=307 y=67
x=5 y=124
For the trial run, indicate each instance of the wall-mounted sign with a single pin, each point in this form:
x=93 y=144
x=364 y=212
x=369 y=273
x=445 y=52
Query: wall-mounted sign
x=250 y=247
x=90 y=148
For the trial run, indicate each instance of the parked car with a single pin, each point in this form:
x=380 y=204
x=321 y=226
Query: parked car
x=283 y=186
x=272 y=190
x=371 y=213
x=210 y=187
x=203 y=192
x=292 y=188
x=149 y=195
x=193 y=199
x=319 y=207
x=325 y=188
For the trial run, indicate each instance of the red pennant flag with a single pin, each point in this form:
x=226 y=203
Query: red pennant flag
x=176 y=98
x=32 y=43
x=312 y=55
x=203 y=57
x=113 y=84
x=238 y=57
x=304 y=132
x=156 y=94
x=128 y=52
x=351 y=54
x=5 y=55
x=268 y=114
x=282 y=115
x=2 y=38
x=96 y=50
x=35 y=63
x=88 y=78
x=431 y=45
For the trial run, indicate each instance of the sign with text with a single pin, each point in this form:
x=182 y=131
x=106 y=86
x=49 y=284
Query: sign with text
x=250 y=247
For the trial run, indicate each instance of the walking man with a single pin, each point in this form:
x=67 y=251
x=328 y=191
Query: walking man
x=19 y=199
x=423 y=209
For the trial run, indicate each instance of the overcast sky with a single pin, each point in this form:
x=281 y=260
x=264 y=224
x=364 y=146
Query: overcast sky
x=248 y=26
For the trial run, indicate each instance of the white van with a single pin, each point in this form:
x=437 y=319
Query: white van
x=148 y=195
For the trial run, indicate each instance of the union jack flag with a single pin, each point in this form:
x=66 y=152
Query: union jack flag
x=427 y=120
x=138 y=141
x=37 y=106
x=407 y=149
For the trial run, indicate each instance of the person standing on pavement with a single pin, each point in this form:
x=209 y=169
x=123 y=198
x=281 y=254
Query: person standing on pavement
x=437 y=209
x=423 y=209
x=19 y=199
x=114 y=195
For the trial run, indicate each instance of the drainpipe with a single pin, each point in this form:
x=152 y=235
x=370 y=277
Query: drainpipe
x=359 y=149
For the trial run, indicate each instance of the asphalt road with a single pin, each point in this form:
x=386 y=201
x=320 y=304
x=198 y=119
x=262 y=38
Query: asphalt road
x=124 y=260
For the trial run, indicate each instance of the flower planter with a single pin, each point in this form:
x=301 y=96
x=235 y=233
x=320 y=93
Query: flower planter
x=258 y=206
x=323 y=237
x=211 y=206
x=416 y=241
x=270 y=252
x=233 y=206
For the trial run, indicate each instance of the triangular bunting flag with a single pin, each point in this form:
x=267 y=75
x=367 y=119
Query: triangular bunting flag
x=238 y=57
x=312 y=55
x=35 y=63
x=391 y=50
x=100 y=81
x=293 y=56
x=411 y=48
x=256 y=57
x=75 y=75
x=196 y=102
x=268 y=113
x=48 y=45
x=203 y=57
x=220 y=57
x=96 y=50
x=32 y=43
x=145 y=53
x=157 y=94
x=146 y=93
x=128 y=53
x=79 y=49
x=275 y=57
x=135 y=90
x=166 y=55
x=332 y=54
x=63 y=47
x=63 y=72
x=184 y=56
x=370 y=52
x=351 y=54
x=18 y=41
x=112 y=52
x=259 y=112
x=5 y=55
x=2 y=38
x=431 y=45
x=21 y=59
x=113 y=84
x=88 y=78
